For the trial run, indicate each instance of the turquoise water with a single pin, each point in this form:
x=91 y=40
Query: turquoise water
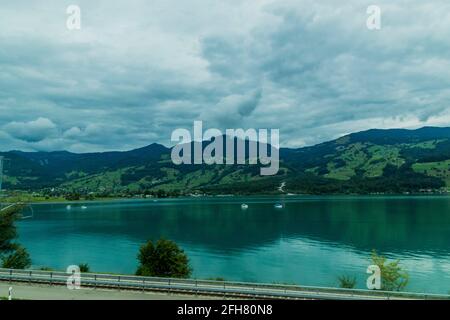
x=311 y=241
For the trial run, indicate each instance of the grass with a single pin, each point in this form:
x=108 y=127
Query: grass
x=199 y=178
x=431 y=144
x=107 y=180
x=380 y=157
x=28 y=198
x=370 y=159
x=440 y=169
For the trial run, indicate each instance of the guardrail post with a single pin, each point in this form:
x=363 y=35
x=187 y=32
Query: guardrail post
x=10 y=275
x=31 y=275
x=143 y=285
x=119 y=283
x=51 y=278
x=169 y=286
x=95 y=281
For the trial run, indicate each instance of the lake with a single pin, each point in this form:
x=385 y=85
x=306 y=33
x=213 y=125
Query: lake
x=311 y=241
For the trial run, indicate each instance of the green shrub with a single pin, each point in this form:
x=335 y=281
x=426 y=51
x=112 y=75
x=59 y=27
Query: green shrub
x=393 y=277
x=163 y=259
x=347 y=282
x=84 y=267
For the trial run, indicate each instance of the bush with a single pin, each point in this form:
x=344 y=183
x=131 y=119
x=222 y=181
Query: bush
x=393 y=277
x=163 y=259
x=46 y=269
x=217 y=279
x=347 y=282
x=84 y=267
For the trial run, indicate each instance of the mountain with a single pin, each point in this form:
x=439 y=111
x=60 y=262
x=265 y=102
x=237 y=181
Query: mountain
x=392 y=161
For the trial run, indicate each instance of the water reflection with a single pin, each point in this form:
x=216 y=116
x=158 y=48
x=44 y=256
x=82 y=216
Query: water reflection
x=311 y=241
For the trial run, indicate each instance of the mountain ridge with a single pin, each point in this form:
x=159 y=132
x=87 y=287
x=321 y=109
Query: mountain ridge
x=370 y=161
x=444 y=132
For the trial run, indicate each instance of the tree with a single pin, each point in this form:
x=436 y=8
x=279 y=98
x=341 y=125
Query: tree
x=8 y=230
x=393 y=277
x=72 y=196
x=17 y=259
x=12 y=255
x=163 y=259
x=347 y=282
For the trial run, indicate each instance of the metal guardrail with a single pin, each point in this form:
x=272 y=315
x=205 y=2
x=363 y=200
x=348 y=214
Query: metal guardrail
x=206 y=287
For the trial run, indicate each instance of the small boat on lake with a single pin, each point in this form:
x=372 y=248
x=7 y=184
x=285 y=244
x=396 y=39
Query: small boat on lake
x=69 y=207
x=278 y=206
x=244 y=206
x=83 y=207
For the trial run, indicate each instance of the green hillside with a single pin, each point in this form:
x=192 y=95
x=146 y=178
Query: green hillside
x=374 y=161
x=440 y=170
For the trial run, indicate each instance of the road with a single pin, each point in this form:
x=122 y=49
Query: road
x=45 y=292
x=133 y=287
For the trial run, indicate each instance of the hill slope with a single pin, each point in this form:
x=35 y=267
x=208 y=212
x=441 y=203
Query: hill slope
x=394 y=160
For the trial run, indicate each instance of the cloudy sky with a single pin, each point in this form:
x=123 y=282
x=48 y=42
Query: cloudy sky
x=139 y=69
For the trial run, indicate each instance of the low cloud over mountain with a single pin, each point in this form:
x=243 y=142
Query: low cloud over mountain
x=137 y=70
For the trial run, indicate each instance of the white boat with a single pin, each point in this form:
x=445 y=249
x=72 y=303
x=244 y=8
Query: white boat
x=244 y=206
x=68 y=207
x=278 y=206
x=83 y=207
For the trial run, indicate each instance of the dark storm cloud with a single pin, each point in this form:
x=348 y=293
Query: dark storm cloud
x=138 y=69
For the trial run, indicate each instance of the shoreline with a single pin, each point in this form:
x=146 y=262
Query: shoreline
x=274 y=196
